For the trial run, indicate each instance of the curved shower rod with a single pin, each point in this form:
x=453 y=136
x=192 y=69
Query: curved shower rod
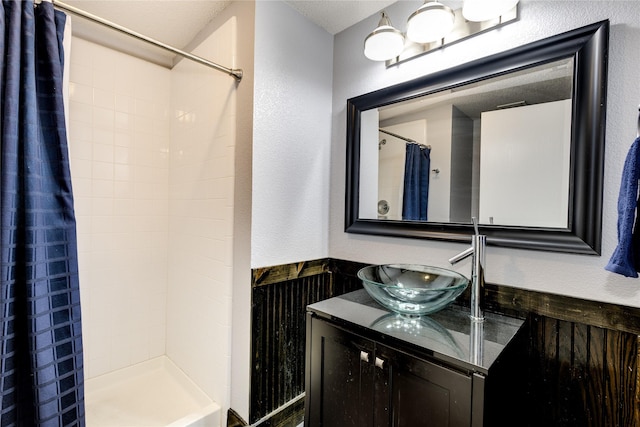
x=235 y=73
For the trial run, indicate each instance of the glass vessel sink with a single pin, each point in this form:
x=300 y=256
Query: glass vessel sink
x=412 y=289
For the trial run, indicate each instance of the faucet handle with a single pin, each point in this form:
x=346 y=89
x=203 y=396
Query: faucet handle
x=474 y=220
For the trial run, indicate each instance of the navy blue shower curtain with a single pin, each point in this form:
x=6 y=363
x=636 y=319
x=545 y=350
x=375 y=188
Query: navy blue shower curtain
x=415 y=199
x=41 y=370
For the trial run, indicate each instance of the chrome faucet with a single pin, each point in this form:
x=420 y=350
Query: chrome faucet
x=477 y=250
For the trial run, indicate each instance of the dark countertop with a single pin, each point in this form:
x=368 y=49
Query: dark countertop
x=448 y=335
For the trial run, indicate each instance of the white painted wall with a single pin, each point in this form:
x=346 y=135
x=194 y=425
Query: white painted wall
x=291 y=136
x=573 y=275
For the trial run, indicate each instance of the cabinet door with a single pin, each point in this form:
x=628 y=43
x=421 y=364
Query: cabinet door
x=339 y=378
x=421 y=393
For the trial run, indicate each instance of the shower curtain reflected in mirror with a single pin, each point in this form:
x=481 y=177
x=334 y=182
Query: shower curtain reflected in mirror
x=41 y=369
x=415 y=199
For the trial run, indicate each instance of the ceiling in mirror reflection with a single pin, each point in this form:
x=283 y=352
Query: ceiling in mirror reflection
x=544 y=83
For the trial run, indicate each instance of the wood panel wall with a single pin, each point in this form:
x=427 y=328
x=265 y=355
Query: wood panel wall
x=581 y=375
x=582 y=356
x=280 y=296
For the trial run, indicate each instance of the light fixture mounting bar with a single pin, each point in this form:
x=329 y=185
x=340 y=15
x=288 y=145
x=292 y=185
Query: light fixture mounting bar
x=462 y=30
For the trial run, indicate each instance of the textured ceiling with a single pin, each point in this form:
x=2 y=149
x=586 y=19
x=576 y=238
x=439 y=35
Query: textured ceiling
x=174 y=22
x=337 y=15
x=177 y=22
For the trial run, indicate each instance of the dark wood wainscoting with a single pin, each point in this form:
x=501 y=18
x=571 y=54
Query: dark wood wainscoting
x=581 y=375
x=581 y=357
x=280 y=296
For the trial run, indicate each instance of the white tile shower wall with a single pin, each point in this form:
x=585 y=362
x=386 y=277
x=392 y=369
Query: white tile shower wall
x=119 y=134
x=201 y=209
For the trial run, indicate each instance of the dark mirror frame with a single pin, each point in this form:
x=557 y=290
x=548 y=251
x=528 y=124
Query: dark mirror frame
x=589 y=48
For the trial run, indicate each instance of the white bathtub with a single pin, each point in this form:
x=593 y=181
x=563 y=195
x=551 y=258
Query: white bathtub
x=153 y=393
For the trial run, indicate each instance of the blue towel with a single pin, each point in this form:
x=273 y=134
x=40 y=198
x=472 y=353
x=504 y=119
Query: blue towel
x=625 y=259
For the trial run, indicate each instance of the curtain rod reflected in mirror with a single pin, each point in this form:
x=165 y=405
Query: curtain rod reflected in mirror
x=560 y=207
x=405 y=139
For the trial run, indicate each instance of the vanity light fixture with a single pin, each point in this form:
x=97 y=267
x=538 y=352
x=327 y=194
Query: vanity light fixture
x=385 y=42
x=435 y=25
x=431 y=22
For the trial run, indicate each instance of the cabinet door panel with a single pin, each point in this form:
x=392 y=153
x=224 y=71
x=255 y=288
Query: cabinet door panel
x=424 y=394
x=343 y=367
x=355 y=382
x=382 y=396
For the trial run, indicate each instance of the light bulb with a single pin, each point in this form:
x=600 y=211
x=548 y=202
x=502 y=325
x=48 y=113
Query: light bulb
x=431 y=22
x=385 y=42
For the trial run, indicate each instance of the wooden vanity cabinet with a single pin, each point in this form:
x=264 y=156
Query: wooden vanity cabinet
x=342 y=377
x=354 y=381
x=422 y=393
x=361 y=375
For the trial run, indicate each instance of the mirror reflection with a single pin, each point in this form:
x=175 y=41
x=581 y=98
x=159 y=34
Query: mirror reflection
x=498 y=150
x=417 y=329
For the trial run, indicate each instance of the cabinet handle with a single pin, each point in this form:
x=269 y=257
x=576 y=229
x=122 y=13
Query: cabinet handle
x=379 y=363
x=364 y=356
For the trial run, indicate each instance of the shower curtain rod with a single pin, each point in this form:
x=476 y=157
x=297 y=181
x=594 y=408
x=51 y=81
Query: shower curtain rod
x=410 y=141
x=236 y=73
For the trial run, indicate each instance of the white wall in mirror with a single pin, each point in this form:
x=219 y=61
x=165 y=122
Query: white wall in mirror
x=391 y=164
x=439 y=138
x=369 y=155
x=524 y=165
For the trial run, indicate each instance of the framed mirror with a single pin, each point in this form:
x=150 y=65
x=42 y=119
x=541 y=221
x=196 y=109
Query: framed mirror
x=515 y=139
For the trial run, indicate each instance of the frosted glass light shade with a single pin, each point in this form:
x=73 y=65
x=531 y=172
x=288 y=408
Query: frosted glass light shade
x=484 y=10
x=431 y=22
x=385 y=42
